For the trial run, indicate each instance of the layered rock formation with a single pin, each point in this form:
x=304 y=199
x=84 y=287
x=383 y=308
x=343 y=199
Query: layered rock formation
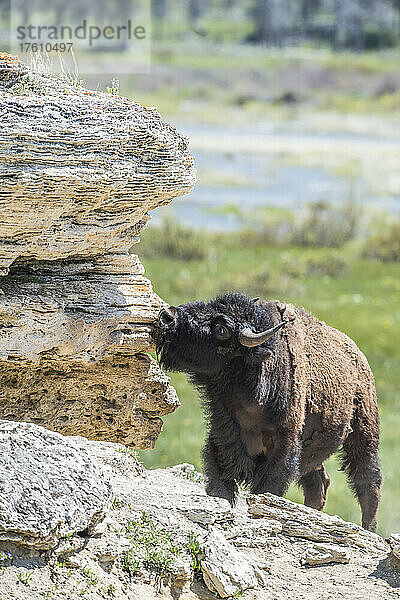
x=79 y=172
x=48 y=487
x=163 y=537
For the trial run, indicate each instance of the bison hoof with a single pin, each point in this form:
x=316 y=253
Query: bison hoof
x=227 y=491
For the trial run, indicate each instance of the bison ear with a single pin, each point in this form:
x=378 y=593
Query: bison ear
x=172 y=310
x=167 y=315
x=254 y=300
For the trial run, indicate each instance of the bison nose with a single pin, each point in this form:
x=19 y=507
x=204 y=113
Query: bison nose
x=167 y=315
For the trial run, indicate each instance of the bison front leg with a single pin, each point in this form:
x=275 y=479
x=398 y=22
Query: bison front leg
x=216 y=482
x=275 y=472
x=226 y=462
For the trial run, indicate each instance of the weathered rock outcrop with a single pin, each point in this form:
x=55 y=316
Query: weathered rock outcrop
x=79 y=172
x=80 y=169
x=162 y=537
x=48 y=487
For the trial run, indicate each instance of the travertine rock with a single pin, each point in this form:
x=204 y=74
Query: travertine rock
x=324 y=554
x=48 y=487
x=79 y=172
x=225 y=570
x=118 y=398
x=394 y=542
x=251 y=558
x=304 y=522
x=80 y=169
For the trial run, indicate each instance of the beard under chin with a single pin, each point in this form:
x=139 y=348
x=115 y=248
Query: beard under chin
x=169 y=360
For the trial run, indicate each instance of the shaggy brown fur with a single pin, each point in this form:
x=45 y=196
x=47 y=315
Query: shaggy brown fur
x=277 y=411
x=335 y=404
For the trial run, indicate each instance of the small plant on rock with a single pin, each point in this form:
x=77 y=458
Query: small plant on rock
x=194 y=550
x=131 y=451
x=5 y=556
x=50 y=593
x=91 y=578
x=24 y=577
x=118 y=503
x=113 y=88
x=152 y=547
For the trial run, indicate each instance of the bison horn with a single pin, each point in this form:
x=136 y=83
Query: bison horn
x=167 y=315
x=248 y=338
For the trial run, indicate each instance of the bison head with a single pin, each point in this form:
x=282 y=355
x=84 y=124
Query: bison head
x=201 y=337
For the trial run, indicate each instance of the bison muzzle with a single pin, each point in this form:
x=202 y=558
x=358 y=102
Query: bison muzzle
x=283 y=392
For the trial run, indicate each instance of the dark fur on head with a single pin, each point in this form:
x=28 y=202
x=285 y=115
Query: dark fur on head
x=189 y=343
x=277 y=408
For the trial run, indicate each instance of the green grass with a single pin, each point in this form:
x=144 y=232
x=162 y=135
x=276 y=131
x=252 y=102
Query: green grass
x=362 y=300
x=152 y=547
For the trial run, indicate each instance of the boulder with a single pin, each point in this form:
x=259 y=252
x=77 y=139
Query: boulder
x=324 y=554
x=80 y=170
x=226 y=571
x=300 y=521
x=49 y=488
x=162 y=537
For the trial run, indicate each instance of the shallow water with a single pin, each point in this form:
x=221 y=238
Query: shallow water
x=249 y=168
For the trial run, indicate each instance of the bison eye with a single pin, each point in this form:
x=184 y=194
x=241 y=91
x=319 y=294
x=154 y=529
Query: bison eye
x=222 y=332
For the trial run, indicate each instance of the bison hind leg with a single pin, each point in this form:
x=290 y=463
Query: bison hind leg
x=315 y=487
x=361 y=464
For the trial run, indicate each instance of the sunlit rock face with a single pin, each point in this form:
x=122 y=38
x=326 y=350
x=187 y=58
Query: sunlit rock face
x=74 y=507
x=80 y=171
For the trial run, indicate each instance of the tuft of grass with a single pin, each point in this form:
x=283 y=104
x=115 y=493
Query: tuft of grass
x=50 y=593
x=130 y=451
x=193 y=476
x=385 y=245
x=90 y=577
x=193 y=546
x=114 y=88
x=131 y=563
x=151 y=547
x=24 y=577
x=118 y=503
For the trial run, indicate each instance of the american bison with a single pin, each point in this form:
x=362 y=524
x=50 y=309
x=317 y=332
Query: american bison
x=283 y=391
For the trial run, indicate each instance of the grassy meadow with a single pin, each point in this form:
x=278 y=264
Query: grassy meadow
x=347 y=285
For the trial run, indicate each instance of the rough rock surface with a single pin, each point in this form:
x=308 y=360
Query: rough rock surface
x=225 y=570
x=48 y=487
x=118 y=398
x=324 y=554
x=161 y=535
x=304 y=522
x=79 y=171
